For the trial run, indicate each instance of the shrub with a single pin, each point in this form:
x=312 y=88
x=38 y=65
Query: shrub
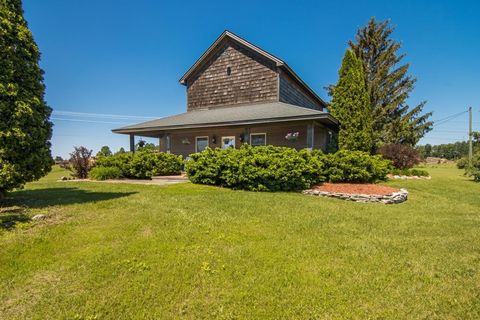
x=402 y=156
x=104 y=173
x=80 y=162
x=120 y=160
x=272 y=168
x=147 y=163
x=474 y=169
x=355 y=166
x=410 y=172
x=462 y=163
x=266 y=168
x=143 y=164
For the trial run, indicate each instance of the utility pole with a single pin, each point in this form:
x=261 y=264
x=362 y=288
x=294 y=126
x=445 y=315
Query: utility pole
x=470 y=148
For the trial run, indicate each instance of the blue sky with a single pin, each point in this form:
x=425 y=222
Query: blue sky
x=124 y=58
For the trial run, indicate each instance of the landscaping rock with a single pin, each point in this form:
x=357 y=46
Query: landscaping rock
x=63 y=178
x=391 y=176
x=39 y=217
x=395 y=197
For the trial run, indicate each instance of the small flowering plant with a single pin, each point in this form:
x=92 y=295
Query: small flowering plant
x=185 y=141
x=292 y=136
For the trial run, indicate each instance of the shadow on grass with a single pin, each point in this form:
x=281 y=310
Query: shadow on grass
x=13 y=208
x=10 y=216
x=41 y=198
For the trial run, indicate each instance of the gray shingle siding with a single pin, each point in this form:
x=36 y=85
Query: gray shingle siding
x=292 y=93
x=252 y=79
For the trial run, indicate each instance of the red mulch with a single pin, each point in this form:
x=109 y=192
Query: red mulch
x=356 y=188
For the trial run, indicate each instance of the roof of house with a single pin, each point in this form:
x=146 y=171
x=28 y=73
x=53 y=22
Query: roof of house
x=232 y=115
x=279 y=63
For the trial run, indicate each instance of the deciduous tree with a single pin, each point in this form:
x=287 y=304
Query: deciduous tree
x=104 y=152
x=80 y=162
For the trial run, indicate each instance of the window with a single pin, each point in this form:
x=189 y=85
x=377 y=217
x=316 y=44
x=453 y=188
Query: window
x=229 y=71
x=201 y=143
x=258 y=139
x=228 y=142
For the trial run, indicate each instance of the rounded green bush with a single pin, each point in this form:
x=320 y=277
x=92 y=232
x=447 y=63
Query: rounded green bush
x=119 y=160
x=473 y=170
x=462 y=163
x=266 y=168
x=143 y=164
x=104 y=173
x=147 y=163
x=355 y=166
x=272 y=168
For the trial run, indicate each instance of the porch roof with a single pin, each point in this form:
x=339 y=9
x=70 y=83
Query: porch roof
x=230 y=116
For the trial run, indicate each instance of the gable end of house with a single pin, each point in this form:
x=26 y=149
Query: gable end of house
x=232 y=71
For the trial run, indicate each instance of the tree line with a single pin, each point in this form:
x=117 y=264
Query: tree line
x=370 y=97
x=450 y=151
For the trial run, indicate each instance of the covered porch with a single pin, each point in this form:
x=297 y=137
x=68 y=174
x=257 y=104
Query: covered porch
x=276 y=124
x=310 y=135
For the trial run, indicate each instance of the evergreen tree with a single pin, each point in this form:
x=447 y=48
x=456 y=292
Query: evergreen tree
x=389 y=86
x=104 y=152
x=351 y=106
x=25 y=129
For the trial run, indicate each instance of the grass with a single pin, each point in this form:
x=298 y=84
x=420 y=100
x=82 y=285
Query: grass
x=119 y=251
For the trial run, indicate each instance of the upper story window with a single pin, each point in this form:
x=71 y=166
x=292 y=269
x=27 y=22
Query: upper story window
x=229 y=71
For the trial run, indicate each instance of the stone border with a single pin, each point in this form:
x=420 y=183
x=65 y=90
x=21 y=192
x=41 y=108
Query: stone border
x=398 y=177
x=395 y=197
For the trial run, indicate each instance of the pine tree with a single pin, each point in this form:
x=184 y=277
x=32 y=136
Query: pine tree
x=351 y=106
x=25 y=129
x=389 y=86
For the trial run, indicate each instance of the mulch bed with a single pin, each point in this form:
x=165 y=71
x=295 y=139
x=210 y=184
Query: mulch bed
x=356 y=188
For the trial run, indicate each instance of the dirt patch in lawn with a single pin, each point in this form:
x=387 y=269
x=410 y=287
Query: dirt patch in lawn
x=356 y=188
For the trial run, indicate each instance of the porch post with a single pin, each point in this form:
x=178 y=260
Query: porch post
x=132 y=143
x=310 y=136
x=160 y=143
x=168 y=142
x=246 y=138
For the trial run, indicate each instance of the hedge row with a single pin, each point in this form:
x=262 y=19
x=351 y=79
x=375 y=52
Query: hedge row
x=272 y=168
x=139 y=165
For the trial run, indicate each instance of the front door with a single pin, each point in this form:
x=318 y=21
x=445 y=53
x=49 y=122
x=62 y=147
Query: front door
x=228 y=142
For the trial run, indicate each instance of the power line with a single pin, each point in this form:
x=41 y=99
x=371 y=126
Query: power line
x=100 y=115
x=90 y=121
x=451 y=131
x=447 y=119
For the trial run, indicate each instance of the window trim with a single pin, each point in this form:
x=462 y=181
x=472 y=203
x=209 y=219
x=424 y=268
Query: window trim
x=201 y=137
x=230 y=137
x=258 y=134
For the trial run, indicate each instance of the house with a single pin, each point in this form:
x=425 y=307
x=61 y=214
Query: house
x=238 y=93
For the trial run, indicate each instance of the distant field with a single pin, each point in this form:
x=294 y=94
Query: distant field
x=119 y=251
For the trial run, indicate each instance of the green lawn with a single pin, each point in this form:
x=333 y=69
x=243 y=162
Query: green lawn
x=118 y=251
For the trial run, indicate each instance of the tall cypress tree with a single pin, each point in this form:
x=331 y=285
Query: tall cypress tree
x=351 y=106
x=389 y=86
x=25 y=129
